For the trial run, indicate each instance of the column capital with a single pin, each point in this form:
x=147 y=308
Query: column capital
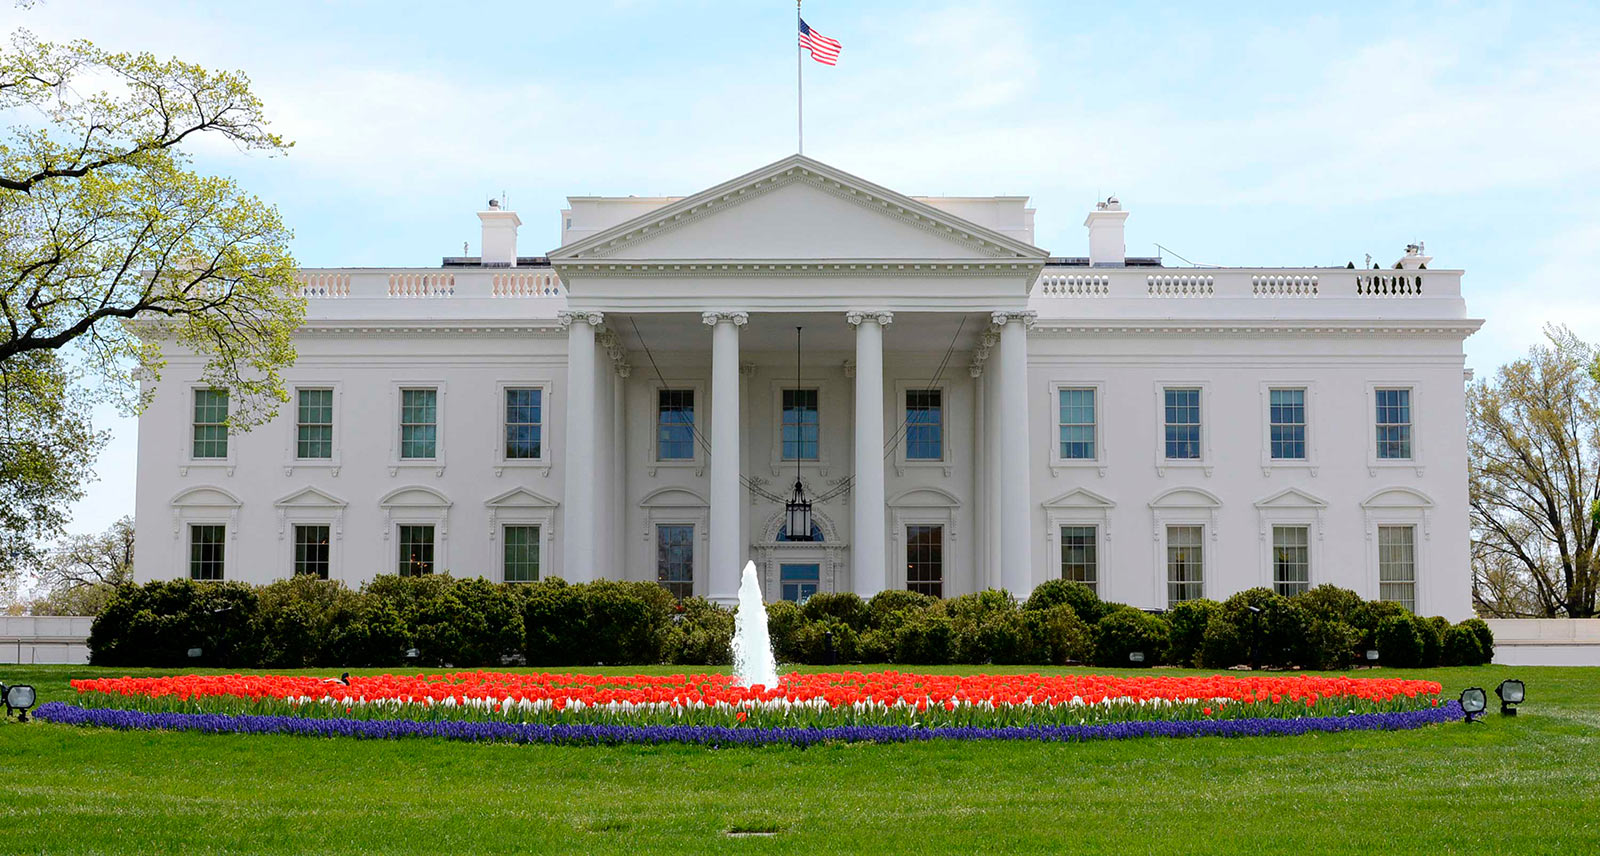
x=711 y=319
x=1004 y=317
x=882 y=316
x=566 y=317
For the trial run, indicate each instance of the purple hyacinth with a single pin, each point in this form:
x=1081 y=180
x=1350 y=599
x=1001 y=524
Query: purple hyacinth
x=712 y=735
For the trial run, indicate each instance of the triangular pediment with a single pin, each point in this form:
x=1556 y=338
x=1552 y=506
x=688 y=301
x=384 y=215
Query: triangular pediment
x=310 y=497
x=521 y=497
x=798 y=209
x=1291 y=498
x=1079 y=498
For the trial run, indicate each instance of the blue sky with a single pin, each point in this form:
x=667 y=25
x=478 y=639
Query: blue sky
x=1259 y=134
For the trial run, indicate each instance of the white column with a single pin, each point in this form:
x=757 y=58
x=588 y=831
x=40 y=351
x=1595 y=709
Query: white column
x=722 y=566
x=578 y=501
x=869 y=571
x=993 y=453
x=1016 y=525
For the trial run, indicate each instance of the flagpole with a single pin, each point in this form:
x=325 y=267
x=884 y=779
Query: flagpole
x=799 y=85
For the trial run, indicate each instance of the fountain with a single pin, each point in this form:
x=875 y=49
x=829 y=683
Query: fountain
x=753 y=662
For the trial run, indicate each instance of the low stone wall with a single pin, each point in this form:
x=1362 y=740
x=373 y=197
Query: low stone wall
x=1546 y=641
x=45 y=639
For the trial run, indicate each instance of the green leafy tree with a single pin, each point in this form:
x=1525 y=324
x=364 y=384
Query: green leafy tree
x=1534 y=452
x=114 y=249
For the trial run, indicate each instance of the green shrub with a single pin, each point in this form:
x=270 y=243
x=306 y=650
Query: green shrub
x=1329 y=644
x=1462 y=647
x=1277 y=633
x=158 y=623
x=1189 y=619
x=1432 y=630
x=1126 y=630
x=998 y=637
x=875 y=646
x=376 y=635
x=555 y=623
x=926 y=638
x=1080 y=597
x=701 y=634
x=626 y=622
x=1366 y=618
x=298 y=618
x=1399 y=640
x=471 y=622
x=813 y=642
x=1480 y=628
x=785 y=623
x=1058 y=635
x=843 y=607
x=888 y=608
x=1328 y=603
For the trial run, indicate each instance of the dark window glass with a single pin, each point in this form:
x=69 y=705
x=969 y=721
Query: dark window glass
x=924 y=425
x=1079 y=562
x=800 y=425
x=416 y=550
x=524 y=423
x=207 y=545
x=799 y=581
x=312 y=553
x=925 y=559
x=522 y=554
x=675 y=425
x=675 y=559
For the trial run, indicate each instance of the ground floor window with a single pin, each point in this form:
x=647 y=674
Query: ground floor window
x=675 y=558
x=1079 y=561
x=1291 y=559
x=521 y=553
x=1185 y=563
x=207 y=543
x=925 y=559
x=416 y=550
x=1397 y=565
x=312 y=551
x=799 y=581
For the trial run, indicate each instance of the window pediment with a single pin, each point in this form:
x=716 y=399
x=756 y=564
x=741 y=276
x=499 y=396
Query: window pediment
x=205 y=497
x=1186 y=497
x=520 y=498
x=925 y=497
x=673 y=497
x=310 y=497
x=1079 y=498
x=1398 y=497
x=1291 y=498
x=414 y=496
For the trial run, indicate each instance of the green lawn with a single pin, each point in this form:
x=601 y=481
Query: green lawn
x=1528 y=784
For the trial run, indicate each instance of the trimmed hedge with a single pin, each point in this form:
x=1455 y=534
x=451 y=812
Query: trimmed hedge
x=440 y=620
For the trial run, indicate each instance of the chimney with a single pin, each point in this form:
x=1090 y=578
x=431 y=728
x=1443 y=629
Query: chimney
x=1106 y=248
x=499 y=247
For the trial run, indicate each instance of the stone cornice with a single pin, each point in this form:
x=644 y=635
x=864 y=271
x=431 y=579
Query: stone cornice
x=702 y=268
x=1349 y=327
x=541 y=327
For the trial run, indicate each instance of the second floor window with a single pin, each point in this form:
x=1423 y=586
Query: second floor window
x=419 y=423
x=1076 y=423
x=1394 y=424
x=675 y=425
x=924 y=425
x=313 y=427
x=210 y=423
x=800 y=425
x=1182 y=422
x=1288 y=424
x=524 y=423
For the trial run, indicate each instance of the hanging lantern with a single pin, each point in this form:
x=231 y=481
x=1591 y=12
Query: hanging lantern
x=798 y=514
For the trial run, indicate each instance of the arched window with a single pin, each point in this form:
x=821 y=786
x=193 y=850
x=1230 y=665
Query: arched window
x=816 y=533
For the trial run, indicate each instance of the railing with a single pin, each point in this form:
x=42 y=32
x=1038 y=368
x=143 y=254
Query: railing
x=1264 y=283
x=422 y=285
x=1283 y=286
x=322 y=286
x=379 y=283
x=1389 y=285
x=1182 y=285
x=526 y=285
x=1075 y=285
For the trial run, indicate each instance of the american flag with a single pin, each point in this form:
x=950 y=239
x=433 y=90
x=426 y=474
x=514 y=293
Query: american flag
x=823 y=49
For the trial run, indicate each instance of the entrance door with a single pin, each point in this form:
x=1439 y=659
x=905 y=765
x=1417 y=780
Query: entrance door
x=799 y=581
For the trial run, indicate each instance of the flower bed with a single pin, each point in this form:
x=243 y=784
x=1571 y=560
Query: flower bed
x=984 y=705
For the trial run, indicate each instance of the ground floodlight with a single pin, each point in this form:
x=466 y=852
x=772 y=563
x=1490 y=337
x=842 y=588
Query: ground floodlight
x=20 y=697
x=1473 y=702
x=1511 y=692
x=194 y=653
x=1372 y=655
x=1136 y=657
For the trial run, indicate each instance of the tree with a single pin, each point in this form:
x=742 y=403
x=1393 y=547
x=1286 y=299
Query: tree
x=112 y=248
x=1534 y=452
x=82 y=571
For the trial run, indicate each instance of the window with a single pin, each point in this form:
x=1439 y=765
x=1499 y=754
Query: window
x=924 y=425
x=524 y=424
x=522 y=554
x=799 y=581
x=1183 y=424
x=1397 y=565
x=419 y=423
x=1394 y=424
x=675 y=559
x=313 y=430
x=206 y=548
x=1287 y=417
x=312 y=552
x=800 y=425
x=925 y=559
x=416 y=550
x=1077 y=424
x=210 y=423
x=1079 y=561
x=1185 y=563
x=1291 y=559
x=675 y=425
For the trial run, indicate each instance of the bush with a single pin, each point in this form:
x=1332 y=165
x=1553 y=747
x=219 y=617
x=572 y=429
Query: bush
x=925 y=638
x=1126 y=630
x=1480 y=628
x=555 y=623
x=701 y=634
x=875 y=646
x=843 y=607
x=1462 y=647
x=626 y=622
x=1433 y=630
x=1366 y=618
x=1058 y=635
x=1189 y=619
x=1277 y=632
x=1329 y=644
x=1399 y=640
x=471 y=622
x=1328 y=603
x=785 y=622
x=298 y=616
x=889 y=608
x=1080 y=597
x=376 y=636
x=158 y=623
x=813 y=642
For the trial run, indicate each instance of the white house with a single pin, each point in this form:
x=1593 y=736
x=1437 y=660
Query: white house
x=967 y=411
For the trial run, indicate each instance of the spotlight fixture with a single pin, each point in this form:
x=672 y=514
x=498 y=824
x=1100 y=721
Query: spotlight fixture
x=1372 y=657
x=1511 y=692
x=20 y=697
x=1136 y=658
x=1473 y=702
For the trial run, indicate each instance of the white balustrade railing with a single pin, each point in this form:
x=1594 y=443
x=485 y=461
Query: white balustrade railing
x=1283 y=286
x=1075 y=285
x=542 y=284
x=381 y=283
x=1181 y=285
x=322 y=286
x=1265 y=283
x=422 y=285
x=1397 y=284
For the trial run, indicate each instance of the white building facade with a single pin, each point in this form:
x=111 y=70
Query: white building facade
x=967 y=412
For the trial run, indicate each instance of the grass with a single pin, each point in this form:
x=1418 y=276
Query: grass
x=1527 y=784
